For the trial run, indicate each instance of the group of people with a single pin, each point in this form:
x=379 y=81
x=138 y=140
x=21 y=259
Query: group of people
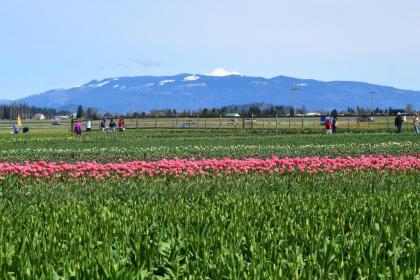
x=16 y=130
x=399 y=119
x=111 y=127
x=331 y=125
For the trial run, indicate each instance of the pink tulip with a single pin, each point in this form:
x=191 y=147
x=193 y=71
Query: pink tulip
x=200 y=167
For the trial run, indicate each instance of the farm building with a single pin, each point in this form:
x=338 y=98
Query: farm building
x=232 y=115
x=313 y=114
x=38 y=117
x=60 y=118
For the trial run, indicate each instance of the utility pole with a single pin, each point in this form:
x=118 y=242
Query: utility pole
x=294 y=89
x=372 y=110
x=131 y=106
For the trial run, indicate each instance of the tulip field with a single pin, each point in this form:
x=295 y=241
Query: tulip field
x=164 y=204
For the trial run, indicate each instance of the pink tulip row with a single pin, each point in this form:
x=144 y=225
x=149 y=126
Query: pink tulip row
x=192 y=167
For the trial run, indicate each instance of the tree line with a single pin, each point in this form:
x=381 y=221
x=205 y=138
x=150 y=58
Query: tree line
x=25 y=111
x=264 y=110
x=11 y=111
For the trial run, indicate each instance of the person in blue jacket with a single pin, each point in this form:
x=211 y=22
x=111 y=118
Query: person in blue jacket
x=15 y=128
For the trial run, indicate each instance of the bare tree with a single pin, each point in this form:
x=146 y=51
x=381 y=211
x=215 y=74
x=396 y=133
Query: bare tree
x=409 y=108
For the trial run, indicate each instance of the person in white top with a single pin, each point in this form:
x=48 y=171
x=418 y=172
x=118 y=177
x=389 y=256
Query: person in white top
x=89 y=125
x=416 y=124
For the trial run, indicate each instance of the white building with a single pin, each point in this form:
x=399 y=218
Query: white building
x=38 y=117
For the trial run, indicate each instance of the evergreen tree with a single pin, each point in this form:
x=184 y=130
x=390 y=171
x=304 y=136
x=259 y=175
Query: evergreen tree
x=90 y=112
x=80 y=112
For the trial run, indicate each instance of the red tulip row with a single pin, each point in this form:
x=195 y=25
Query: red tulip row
x=192 y=167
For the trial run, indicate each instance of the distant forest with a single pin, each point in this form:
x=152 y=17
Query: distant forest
x=11 y=111
x=263 y=109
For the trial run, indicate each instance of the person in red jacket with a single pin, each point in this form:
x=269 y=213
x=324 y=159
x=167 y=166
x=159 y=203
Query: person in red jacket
x=328 y=126
x=121 y=124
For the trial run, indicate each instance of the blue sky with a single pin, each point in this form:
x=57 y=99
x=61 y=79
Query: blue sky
x=48 y=44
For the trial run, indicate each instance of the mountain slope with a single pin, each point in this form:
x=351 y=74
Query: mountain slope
x=187 y=91
x=4 y=101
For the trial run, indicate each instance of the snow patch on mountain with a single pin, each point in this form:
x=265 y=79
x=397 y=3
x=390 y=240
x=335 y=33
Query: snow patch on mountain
x=102 y=84
x=191 y=78
x=95 y=84
x=163 y=82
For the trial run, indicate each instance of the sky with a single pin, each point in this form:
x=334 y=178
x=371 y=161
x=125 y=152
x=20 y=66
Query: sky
x=48 y=44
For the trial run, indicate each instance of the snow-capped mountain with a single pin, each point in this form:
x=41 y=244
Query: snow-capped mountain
x=193 y=91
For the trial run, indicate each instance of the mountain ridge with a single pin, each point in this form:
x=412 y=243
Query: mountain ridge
x=188 y=91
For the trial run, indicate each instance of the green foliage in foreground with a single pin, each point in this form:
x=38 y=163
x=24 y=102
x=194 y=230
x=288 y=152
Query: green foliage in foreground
x=151 y=145
x=349 y=226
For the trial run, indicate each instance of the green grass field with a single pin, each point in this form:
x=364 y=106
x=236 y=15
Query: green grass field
x=283 y=124
x=155 y=144
x=359 y=225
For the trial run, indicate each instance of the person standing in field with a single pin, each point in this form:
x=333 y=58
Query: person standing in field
x=112 y=125
x=103 y=124
x=416 y=124
x=89 y=125
x=334 y=124
x=78 y=128
x=15 y=128
x=398 y=122
x=328 y=126
x=121 y=124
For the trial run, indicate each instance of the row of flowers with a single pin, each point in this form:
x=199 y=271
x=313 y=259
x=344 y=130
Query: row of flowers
x=238 y=151
x=192 y=167
x=215 y=147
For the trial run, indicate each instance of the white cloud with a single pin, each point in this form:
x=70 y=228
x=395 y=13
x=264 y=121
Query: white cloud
x=220 y=72
x=191 y=78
